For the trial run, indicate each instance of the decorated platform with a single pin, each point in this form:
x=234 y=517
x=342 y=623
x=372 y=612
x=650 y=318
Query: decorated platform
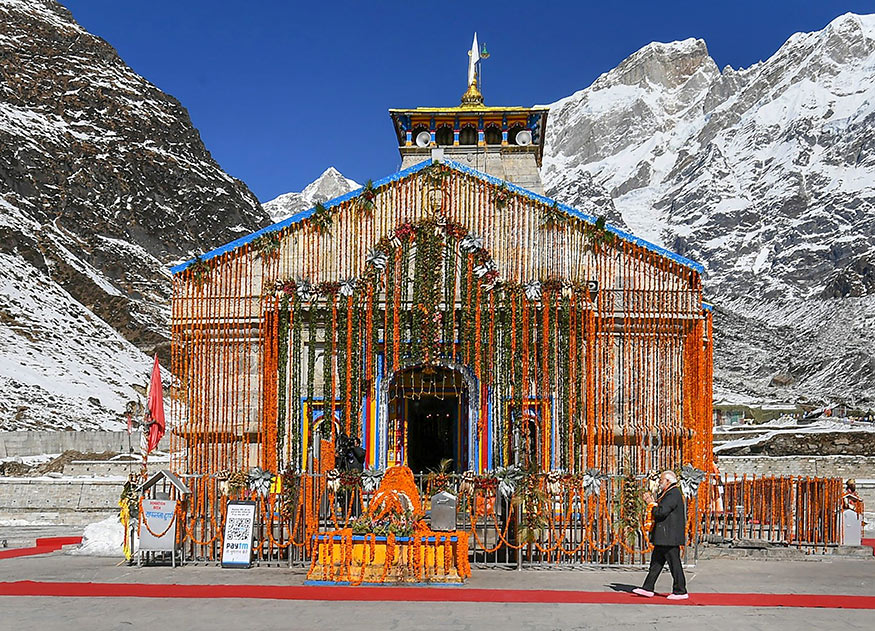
x=408 y=552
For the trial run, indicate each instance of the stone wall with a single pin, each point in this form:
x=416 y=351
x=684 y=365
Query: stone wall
x=806 y=444
x=858 y=467
x=59 y=501
x=32 y=443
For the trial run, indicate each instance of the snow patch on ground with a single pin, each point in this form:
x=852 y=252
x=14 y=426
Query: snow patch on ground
x=102 y=539
x=786 y=425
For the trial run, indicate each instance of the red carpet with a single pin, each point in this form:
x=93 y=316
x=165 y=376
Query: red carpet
x=43 y=545
x=420 y=594
x=870 y=543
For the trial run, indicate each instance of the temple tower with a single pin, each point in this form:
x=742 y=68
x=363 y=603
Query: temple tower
x=505 y=142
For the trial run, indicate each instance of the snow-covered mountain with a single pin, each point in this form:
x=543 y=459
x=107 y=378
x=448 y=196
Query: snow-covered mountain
x=103 y=182
x=766 y=175
x=327 y=186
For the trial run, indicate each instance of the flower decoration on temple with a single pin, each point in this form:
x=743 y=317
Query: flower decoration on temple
x=534 y=505
x=467 y=484
x=199 y=270
x=405 y=232
x=482 y=269
x=532 y=290
x=291 y=493
x=347 y=287
x=592 y=481
x=629 y=507
x=509 y=478
x=328 y=288
x=436 y=174
x=321 y=219
x=502 y=196
x=259 y=481
x=690 y=479
x=554 y=483
x=371 y=480
x=222 y=478
x=471 y=243
x=598 y=234
x=455 y=230
x=287 y=287
x=305 y=291
x=377 y=259
x=396 y=495
x=267 y=246
x=439 y=480
x=553 y=217
x=366 y=201
x=350 y=480
x=332 y=481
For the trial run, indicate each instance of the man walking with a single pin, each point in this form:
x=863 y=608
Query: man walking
x=667 y=536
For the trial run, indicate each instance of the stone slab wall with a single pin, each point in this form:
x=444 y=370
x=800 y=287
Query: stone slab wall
x=59 y=501
x=32 y=443
x=110 y=468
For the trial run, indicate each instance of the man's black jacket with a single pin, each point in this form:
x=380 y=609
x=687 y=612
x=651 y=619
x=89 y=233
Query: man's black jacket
x=669 y=519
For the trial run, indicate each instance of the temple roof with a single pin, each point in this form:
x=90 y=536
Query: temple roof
x=518 y=190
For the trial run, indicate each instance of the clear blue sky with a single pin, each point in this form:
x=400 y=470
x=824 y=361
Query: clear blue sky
x=281 y=90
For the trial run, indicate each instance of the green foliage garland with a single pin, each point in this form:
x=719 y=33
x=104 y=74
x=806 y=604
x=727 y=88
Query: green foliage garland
x=267 y=246
x=321 y=219
x=199 y=270
x=282 y=372
x=366 y=201
x=629 y=507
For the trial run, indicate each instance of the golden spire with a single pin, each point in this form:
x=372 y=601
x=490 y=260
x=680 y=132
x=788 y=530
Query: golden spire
x=472 y=96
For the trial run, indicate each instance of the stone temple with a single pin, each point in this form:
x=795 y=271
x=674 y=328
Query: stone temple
x=448 y=311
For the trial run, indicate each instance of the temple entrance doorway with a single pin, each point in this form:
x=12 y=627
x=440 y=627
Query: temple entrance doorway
x=428 y=418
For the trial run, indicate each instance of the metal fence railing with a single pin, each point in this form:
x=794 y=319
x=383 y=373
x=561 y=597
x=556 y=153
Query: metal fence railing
x=789 y=510
x=551 y=521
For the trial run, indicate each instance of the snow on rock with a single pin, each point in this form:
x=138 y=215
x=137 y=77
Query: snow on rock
x=327 y=186
x=104 y=181
x=765 y=175
x=102 y=539
x=60 y=365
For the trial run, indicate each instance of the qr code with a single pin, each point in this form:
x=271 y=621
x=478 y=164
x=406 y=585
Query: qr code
x=237 y=529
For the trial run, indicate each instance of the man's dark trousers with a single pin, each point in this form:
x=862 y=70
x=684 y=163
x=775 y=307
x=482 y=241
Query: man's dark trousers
x=660 y=555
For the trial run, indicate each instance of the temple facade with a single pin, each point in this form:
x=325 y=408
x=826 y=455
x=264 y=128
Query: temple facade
x=446 y=313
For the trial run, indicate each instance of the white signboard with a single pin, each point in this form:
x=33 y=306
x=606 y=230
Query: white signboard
x=158 y=526
x=237 y=544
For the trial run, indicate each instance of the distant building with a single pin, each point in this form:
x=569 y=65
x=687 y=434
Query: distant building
x=739 y=414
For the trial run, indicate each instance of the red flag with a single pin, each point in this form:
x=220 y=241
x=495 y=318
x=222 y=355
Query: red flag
x=155 y=403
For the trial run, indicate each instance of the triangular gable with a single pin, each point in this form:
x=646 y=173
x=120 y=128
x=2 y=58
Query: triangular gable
x=164 y=474
x=513 y=188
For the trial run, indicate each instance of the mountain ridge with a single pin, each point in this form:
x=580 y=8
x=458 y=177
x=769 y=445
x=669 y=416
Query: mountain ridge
x=765 y=175
x=104 y=181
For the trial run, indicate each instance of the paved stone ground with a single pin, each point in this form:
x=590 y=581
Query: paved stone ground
x=839 y=576
x=115 y=614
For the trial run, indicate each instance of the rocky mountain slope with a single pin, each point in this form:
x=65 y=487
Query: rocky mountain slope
x=103 y=182
x=327 y=186
x=766 y=175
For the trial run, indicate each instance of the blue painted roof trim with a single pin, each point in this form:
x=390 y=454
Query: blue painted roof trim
x=580 y=215
x=304 y=214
